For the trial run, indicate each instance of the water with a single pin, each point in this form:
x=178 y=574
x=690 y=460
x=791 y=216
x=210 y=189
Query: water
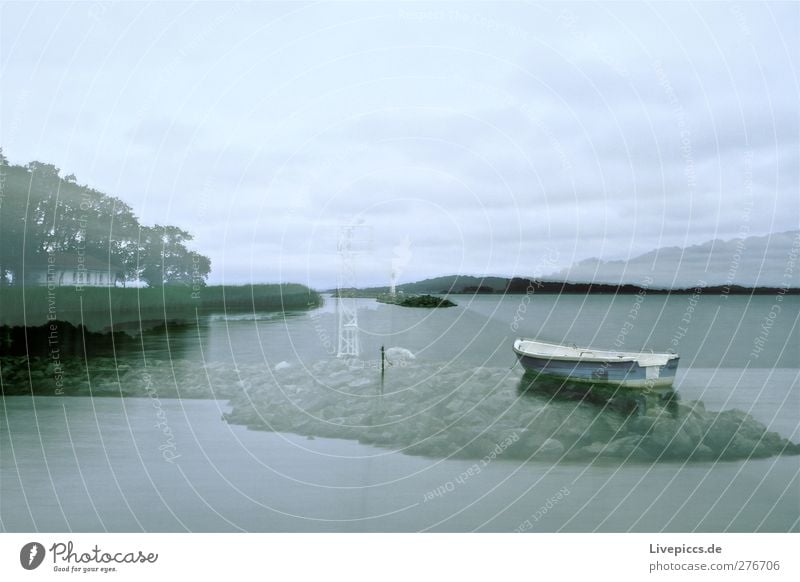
x=210 y=436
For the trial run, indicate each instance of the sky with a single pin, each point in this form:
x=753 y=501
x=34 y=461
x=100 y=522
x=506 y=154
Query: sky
x=510 y=139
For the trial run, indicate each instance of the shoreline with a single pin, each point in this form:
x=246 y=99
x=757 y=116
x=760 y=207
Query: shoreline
x=586 y=289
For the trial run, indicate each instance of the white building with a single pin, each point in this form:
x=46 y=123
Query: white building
x=73 y=269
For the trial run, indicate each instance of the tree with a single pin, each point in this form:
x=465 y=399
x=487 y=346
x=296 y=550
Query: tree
x=41 y=213
x=164 y=258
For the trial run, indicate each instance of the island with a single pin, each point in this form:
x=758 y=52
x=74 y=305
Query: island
x=428 y=301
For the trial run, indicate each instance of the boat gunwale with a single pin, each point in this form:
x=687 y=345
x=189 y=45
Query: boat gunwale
x=634 y=357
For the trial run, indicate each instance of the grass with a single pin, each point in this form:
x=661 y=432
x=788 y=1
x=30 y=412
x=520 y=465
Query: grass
x=33 y=306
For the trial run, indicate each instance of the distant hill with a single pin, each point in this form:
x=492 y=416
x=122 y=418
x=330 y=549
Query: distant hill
x=753 y=265
x=448 y=284
x=756 y=261
x=455 y=284
x=470 y=285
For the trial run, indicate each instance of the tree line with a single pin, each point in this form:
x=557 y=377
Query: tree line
x=42 y=212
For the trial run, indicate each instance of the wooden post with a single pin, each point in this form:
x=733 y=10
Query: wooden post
x=383 y=366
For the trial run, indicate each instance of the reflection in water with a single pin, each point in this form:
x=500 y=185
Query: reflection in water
x=179 y=338
x=607 y=396
x=73 y=361
x=657 y=425
x=64 y=339
x=62 y=359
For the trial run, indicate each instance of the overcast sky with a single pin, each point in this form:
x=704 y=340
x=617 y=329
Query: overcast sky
x=511 y=139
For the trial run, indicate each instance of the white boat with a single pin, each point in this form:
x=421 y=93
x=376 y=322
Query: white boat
x=629 y=369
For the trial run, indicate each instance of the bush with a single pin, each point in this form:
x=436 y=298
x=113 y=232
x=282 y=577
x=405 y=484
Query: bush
x=426 y=301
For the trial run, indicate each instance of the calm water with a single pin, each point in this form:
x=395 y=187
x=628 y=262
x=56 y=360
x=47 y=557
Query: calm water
x=173 y=464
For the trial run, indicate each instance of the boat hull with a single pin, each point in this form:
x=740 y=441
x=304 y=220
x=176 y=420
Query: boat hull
x=618 y=371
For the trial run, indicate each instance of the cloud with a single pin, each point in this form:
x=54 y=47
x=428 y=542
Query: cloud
x=482 y=132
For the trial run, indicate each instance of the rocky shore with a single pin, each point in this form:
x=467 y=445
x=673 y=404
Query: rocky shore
x=437 y=411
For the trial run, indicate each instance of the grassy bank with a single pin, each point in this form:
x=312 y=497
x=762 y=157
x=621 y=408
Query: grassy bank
x=99 y=307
